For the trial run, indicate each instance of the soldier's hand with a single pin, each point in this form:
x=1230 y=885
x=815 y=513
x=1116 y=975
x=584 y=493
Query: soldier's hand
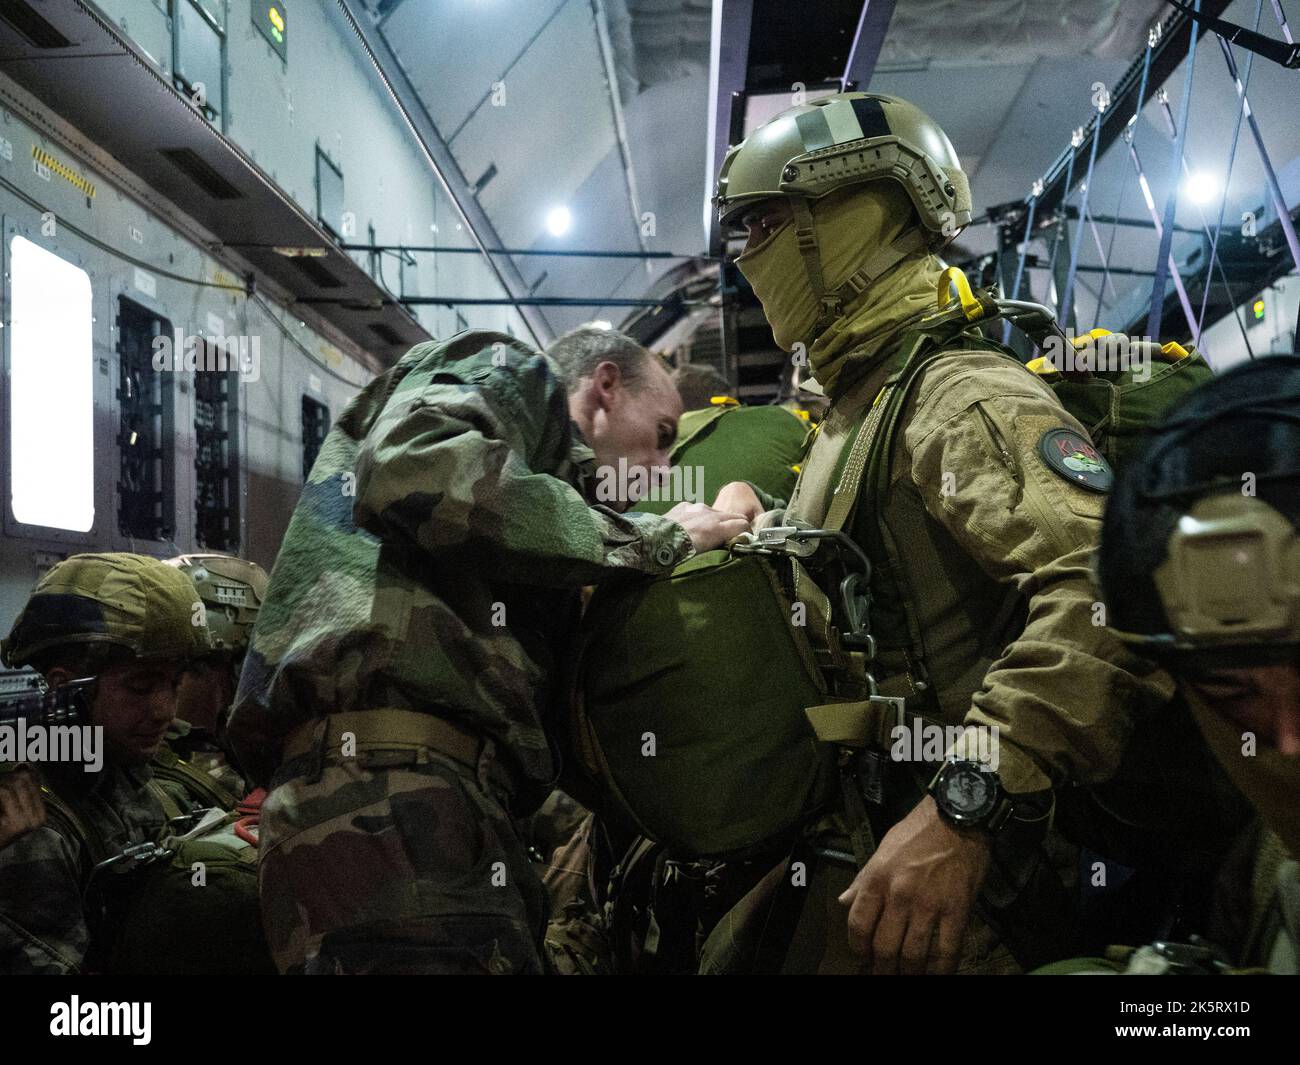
x=21 y=806
x=910 y=904
x=738 y=498
x=707 y=528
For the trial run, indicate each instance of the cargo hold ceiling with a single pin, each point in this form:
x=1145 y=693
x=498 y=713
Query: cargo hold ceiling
x=596 y=106
x=102 y=85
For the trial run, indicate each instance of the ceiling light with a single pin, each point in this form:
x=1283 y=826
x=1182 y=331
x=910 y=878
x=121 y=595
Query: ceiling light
x=1201 y=187
x=558 y=221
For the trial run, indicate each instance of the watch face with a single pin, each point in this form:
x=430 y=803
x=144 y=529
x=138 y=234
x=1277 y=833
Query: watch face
x=966 y=792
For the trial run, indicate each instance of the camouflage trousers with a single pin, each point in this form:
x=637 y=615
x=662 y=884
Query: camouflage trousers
x=412 y=868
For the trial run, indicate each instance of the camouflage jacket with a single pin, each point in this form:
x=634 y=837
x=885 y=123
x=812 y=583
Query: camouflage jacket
x=435 y=558
x=44 y=924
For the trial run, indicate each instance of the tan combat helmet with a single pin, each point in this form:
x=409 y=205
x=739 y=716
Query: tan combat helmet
x=1200 y=549
x=114 y=599
x=837 y=142
x=232 y=591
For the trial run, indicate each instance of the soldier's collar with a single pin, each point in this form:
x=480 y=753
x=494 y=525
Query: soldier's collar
x=582 y=463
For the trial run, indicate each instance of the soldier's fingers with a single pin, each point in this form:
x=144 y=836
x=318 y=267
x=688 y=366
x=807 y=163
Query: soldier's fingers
x=14 y=819
x=916 y=945
x=888 y=940
x=1288 y=730
x=33 y=806
x=732 y=527
x=864 y=914
x=947 y=946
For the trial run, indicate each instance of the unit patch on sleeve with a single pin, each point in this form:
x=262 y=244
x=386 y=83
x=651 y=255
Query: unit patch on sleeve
x=1071 y=455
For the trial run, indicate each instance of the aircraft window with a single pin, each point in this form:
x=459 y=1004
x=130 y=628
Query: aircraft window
x=146 y=506
x=198 y=58
x=329 y=195
x=315 y=425
x=51 y=390
x=216 y=459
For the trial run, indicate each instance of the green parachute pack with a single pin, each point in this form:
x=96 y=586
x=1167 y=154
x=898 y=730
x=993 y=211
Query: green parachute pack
x=729 y=442
x=185 y=904
x=704 y=712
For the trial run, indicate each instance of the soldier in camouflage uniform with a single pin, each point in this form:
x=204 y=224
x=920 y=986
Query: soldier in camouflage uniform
x=403 y=668
x=845 y=202
x=232 y=591
x=134 y=624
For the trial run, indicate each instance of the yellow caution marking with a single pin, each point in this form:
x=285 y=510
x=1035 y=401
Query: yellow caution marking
x=63 y=170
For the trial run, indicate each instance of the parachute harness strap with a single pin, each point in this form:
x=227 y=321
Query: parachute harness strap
x=833 y=303
x=805 y=232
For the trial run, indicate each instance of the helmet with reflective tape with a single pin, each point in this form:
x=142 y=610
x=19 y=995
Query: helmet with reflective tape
x=127 y=600
x=232 y=590
x=849 y=139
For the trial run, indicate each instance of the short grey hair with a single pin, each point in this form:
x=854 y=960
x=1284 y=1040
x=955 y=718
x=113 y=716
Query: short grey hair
x=580 y=351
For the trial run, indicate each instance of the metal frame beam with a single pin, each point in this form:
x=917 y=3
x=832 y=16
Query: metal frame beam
x=868 y=39
x=442 y=161
x=733 y=21
x=1167 y=55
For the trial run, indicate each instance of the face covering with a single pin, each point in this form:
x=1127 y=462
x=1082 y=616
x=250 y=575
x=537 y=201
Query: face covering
x=851 y=225
x=775 y=270
x=1268 y=778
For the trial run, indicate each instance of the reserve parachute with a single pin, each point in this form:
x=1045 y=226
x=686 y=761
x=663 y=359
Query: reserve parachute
x=185 y=904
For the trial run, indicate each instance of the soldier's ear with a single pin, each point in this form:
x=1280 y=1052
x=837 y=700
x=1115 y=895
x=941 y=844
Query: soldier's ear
x=606 y=380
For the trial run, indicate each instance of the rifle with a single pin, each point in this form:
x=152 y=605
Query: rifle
x=30 y=700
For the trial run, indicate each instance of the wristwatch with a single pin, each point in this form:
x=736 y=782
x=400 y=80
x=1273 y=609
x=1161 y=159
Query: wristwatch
x=970 y=795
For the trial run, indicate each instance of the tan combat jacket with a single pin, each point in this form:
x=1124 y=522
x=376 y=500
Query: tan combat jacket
x=976 y=512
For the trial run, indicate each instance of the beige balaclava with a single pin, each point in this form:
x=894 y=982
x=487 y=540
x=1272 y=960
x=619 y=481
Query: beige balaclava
x=852 y=225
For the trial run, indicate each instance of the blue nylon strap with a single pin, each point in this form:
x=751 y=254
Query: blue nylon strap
x=1065 y=199
x=1283 y=212
x=1020 y=266
x=1281 y=21
x=1223 y=203
x=1119 y=199
x=1067 y=297
x=1156 y=314
x=1189 y=315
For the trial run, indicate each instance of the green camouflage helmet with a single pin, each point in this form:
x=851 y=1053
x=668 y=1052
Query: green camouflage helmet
x=131 y=601
x=835 y=143
x=232 y=591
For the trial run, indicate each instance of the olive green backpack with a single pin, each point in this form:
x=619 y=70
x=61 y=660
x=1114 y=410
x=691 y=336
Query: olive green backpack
x=701 y=716
x=727 y=442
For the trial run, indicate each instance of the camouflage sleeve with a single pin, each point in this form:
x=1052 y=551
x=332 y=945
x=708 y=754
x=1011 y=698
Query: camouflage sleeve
x=1063 y=695
x=466 y=467
x=42 y=924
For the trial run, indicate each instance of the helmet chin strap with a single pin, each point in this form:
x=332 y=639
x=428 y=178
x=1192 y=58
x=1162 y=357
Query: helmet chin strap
x=833 y=303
